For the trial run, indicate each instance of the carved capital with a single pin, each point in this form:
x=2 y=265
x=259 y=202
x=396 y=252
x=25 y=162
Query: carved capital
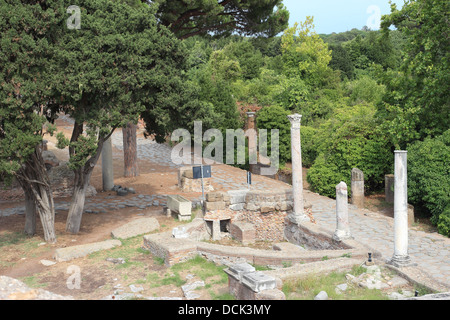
x=295 y=120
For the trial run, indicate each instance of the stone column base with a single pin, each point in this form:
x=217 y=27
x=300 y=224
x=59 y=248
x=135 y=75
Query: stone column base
x=298 y=219
x=401 y=261
x=340 y=235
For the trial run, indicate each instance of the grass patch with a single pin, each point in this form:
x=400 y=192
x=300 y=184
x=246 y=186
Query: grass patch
x=13 y=238
x=308 y=287
x=32 y=282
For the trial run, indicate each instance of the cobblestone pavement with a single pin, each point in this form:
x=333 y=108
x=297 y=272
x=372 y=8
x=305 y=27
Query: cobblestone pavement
x=430 y=251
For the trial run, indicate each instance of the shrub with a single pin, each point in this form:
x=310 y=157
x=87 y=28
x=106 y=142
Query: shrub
x=275 y=117
x=350 y=139
x=429 y=178
x=309 y=145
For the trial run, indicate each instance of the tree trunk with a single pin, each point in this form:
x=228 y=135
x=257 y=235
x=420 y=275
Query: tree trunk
x=35 y=182
x=73 y=222
x=30 y=213
x=81 y=182
x=130 y=163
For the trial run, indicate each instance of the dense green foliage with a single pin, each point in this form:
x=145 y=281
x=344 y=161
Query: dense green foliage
x=417 y=103
x=429 y=178
x=222 y=18
x=361 y=93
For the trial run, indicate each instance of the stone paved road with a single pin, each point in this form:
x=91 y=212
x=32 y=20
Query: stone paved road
x=430 y=251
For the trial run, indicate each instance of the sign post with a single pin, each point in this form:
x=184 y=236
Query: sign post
x=200 y=173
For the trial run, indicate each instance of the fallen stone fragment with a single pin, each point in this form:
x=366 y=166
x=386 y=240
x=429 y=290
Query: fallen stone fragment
x=47 y=263
x=321 y=296
x=135 y=228
x=69 y=253
x=116 y=260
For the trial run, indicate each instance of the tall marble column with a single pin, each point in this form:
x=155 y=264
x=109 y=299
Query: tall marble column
x=107 y=166
x=401 y=257
x=298 y=214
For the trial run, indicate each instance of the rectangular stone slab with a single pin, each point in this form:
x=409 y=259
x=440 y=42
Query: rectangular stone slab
x=69 y=253
x=239 y=269
x=135 y=228
x=258 y=281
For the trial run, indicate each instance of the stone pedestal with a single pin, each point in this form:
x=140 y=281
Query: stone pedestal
x=298 y=214
x=401 y=257
x=107 y=166
x=342 y=226
x=357 y=188
x=245 y=283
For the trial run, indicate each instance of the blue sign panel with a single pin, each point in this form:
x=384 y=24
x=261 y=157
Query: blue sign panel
x=197 y=172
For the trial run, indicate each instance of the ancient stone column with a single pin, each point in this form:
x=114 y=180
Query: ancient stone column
x=107 y=166
x=298 y=214
x=401 y=257
x=342 y=227
x=357 y=188
x=389 y=188
x=252 y=142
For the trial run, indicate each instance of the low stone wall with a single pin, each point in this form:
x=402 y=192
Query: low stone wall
x=267 y=211
x=311 y=238
x=174 y=250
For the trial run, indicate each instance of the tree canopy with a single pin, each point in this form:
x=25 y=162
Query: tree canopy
x=223 y=17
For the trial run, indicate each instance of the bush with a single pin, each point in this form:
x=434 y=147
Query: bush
x=429 y=178
x=275 y=117
x=443 y=223
x=350 y=139
x=309 y=145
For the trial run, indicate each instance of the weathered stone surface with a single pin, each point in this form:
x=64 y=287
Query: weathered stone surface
x=243 y=231
x=13 y=289
x=321 y=296
x=47 y=263
x=214 y=196
x=357 y=187
x=214 y=206
x=135 y=228
x=259 y=281
x=237 y=196
x=69 y=253
x=179 y=204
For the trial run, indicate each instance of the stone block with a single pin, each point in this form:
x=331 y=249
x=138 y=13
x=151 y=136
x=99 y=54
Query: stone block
x=135 y=228
x=213 y=206
x=239 y=269
x=69 y=253
x=237 y=196
x=179 y=204
x=259 y=281
x=214 y=196
x=273 y=294
x=180 y=233
x=237 y=207
x=243 y=231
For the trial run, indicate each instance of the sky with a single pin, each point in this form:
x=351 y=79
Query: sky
x=339 y=15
